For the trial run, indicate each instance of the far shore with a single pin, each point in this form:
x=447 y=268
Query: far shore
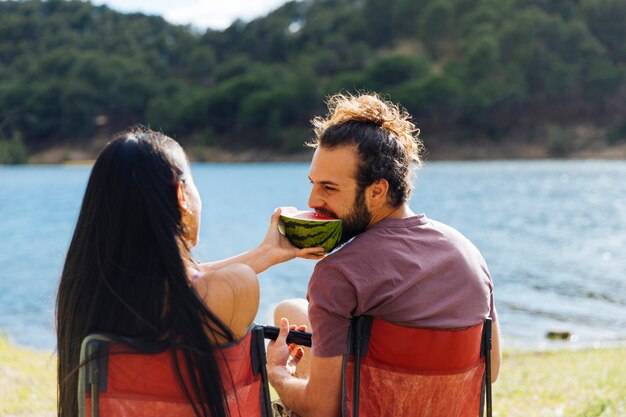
x=77 y=157
x=480 y=150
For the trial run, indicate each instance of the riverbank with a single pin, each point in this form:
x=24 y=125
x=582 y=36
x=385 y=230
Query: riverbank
x=578 y=383
x=467 y=153
x=572 y=142
x=458 y=152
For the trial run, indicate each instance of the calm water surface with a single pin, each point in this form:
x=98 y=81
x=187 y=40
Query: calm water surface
x=552 y=232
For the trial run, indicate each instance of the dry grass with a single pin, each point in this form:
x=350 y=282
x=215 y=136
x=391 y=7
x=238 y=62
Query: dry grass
x=27 y=378
x=585 y=383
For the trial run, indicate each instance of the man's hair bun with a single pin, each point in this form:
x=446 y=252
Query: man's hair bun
x=372 y=108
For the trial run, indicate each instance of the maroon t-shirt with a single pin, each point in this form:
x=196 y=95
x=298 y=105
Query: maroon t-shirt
x=412 y=271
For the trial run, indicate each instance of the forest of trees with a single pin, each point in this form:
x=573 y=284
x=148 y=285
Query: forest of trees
x=462 y=68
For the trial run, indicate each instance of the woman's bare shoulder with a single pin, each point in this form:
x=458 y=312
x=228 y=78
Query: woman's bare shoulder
x=232 y=294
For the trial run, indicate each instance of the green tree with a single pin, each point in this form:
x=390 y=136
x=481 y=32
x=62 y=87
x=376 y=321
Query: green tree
x=200 y=65
x=580 y=46
x=347 y=81
x=601 y=78
x=480 y=21
x=482 y=58
x=405 y=17
x=378 y=20
x=536 y=42
x=563 y=8
x=266 y=111
x=220 y=106
x=13 y=151
x=79 y=106
x=40 y=115
x=236 y=65
x=437 y=27
x=172 y=109
x=326 y=62
x=606 y=20
x=436 y=99
x=387 y=71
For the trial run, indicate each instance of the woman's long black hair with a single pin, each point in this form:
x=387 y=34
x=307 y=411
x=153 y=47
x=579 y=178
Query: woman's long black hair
x=125 y=270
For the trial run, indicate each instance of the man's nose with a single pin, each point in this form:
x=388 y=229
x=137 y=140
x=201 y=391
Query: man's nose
x=315 y=202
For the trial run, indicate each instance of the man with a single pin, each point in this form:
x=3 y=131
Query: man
x=396 y=265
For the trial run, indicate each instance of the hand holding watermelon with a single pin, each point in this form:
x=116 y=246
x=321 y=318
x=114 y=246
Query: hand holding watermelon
x=274 y=249
x=278 y=248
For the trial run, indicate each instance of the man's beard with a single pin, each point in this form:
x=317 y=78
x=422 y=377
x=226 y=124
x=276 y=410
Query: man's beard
x=357 y=220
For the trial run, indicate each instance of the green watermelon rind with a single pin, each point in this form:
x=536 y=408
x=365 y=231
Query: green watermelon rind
x=311 y=233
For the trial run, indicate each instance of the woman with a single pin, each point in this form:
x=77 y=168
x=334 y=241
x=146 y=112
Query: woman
x=129 y=268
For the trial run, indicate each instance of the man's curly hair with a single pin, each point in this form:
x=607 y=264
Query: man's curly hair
x=385 y=138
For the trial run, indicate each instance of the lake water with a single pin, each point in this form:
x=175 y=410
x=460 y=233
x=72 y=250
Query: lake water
x=552 y=232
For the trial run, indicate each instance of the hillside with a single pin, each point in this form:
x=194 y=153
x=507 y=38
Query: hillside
x=503 y=77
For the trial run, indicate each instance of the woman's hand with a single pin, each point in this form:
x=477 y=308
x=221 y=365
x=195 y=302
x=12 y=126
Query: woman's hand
x=280 y=249
x=274 y=249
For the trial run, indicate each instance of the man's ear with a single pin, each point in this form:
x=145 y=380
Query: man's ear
x=182 y=197
x=378 y=192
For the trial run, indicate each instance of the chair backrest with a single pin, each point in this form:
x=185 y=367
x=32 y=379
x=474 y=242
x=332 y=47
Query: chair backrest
x=395 y=370
x=119 y=381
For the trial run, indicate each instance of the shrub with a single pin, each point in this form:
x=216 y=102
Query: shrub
x=13 y=151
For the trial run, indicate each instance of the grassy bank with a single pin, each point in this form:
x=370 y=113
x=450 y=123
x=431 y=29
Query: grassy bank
x=27 y=378
x=584 y=383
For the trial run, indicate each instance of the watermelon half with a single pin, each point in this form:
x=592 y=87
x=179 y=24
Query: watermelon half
x=308 y=229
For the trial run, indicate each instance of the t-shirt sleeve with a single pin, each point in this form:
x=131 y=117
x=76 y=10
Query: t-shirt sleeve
x=493 y=313
x=332 y=301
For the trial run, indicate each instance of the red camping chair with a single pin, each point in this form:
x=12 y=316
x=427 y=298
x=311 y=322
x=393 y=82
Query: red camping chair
x=395 y=370
x=121 y=382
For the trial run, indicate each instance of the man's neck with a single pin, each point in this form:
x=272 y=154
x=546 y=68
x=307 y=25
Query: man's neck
x=388 y=212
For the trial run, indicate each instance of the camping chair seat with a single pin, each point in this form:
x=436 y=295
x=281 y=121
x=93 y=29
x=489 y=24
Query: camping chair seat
x=121 y=382
x=405 y=371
